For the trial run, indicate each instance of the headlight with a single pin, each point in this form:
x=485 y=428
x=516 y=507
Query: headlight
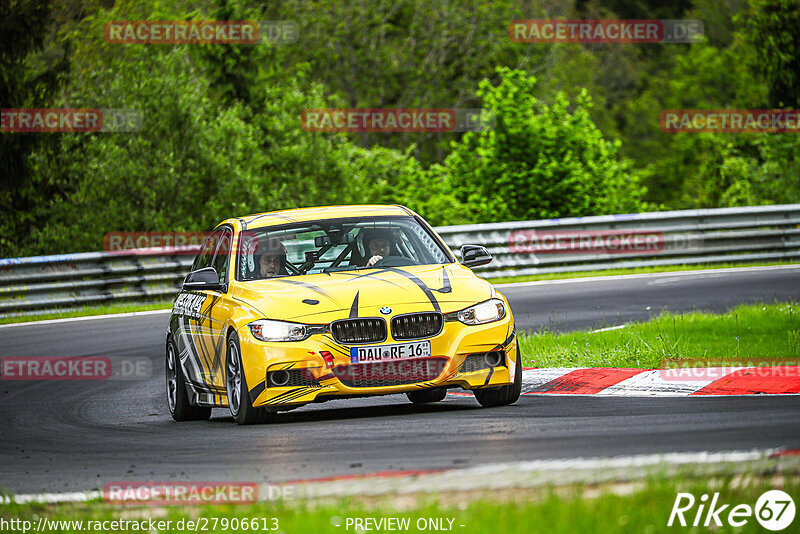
x=267 y=330
x=485 y=312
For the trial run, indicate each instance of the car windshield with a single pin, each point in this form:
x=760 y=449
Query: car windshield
x=336 y=245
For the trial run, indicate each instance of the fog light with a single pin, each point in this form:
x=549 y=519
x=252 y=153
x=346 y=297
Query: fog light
x=493 y=359
x=279 y=378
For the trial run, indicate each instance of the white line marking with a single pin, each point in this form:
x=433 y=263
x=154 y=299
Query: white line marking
x=649 y=275
x=87 y=318
x=610 y=328
x=77 y=496
x=674 y=458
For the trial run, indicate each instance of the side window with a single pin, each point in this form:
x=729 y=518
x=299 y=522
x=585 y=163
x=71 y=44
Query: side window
x=223 y=254
x=203 y=259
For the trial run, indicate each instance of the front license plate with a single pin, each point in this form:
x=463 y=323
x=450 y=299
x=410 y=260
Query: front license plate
x=397 y=351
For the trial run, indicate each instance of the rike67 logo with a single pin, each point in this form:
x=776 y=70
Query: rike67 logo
x=774 y=510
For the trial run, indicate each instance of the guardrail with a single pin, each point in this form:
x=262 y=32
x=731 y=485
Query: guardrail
x=749 y=234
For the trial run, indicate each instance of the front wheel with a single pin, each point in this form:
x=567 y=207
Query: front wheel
x=239 y=402
x=504 y=395
x=177 y=397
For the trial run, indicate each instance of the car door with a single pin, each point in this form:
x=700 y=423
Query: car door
x=199 y=317
x=218 y=310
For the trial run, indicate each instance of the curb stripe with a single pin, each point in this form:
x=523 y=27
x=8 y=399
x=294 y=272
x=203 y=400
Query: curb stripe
x=756 y=381
x=655 y=383
x=586 y=381
x=535 y=378
x=682 y=382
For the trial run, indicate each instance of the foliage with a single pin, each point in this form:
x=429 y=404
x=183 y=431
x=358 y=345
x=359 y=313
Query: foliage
x=538 y=160
x=774 y=31
x=576 y=126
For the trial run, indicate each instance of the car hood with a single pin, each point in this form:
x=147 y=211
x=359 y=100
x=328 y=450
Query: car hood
x=321 y=298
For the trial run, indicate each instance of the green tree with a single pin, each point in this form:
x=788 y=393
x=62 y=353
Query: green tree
x=33 y=61
x=538 y=161
x=407 y=53
x=203 y=154
x=774 y=31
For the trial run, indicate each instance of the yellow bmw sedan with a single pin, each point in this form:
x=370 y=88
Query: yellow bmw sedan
x=287 y=308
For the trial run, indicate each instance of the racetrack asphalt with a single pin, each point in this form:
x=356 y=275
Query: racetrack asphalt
x=60 y=436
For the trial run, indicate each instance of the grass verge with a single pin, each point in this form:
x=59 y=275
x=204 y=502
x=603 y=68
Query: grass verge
x=89 y=311
x=749 y=332
x=643 y=506
x=636 y=270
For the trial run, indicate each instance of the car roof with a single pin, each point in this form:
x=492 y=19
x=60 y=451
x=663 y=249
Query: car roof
x=273 y=218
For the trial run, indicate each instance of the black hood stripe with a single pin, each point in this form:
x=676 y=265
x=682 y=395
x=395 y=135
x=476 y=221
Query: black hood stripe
x=422 y=285
x=372 y=275
x=354 y=307
x=446 y=287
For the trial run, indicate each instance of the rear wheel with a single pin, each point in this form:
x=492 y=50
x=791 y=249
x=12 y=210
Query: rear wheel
x=426 y=396
x=504 y=395
x=177 y=397
x=239 y=402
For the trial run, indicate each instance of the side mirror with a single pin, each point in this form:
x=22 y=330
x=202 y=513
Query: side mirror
x=200 y=279
x=474 y=256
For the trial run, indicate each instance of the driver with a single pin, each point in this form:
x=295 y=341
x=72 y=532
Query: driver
x=378 y=243
x=271 y=258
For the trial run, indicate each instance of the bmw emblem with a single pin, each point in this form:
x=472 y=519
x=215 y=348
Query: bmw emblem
x=386 y=310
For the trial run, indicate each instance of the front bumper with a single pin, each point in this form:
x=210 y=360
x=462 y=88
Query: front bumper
x=320 y=381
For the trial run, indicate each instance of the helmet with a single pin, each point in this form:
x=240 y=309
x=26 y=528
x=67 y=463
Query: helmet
x=271 y=246
x=369 y=234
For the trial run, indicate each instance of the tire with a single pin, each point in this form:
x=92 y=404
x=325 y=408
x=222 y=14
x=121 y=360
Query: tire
x=177 y=396
x=425 y=396
x=504 y=395
x=239 y=402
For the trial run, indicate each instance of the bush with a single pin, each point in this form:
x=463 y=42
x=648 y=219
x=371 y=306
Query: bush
x=538 y=161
